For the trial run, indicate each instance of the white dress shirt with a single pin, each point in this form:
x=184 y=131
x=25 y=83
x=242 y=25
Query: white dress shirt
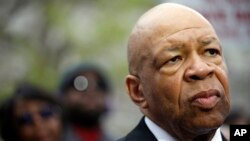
x=162 y=135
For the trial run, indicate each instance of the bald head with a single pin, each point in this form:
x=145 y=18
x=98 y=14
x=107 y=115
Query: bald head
x=156 y=24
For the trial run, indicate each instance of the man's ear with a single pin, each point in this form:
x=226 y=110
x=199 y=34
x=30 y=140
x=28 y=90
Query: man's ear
x=135 y=92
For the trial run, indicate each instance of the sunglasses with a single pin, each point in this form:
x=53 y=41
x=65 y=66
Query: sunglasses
x=27 y=118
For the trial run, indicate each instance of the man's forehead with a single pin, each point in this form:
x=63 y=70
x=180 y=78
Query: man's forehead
x=158 y=23
x=178 y=40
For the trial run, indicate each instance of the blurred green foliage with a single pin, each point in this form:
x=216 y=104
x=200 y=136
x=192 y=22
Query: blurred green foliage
x=41 y=39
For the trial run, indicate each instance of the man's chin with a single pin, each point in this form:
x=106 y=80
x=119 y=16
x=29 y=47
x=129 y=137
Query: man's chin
x=204 y=121
x=207 y=122
x=210 y=118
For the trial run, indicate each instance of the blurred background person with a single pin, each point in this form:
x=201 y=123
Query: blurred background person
x=31 y=114
x=85 y=93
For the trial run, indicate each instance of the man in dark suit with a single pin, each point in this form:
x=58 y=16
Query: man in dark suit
x=177 y=76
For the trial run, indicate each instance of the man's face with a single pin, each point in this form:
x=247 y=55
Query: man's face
x=86 y=107
x=91 y=99
x=184 y=80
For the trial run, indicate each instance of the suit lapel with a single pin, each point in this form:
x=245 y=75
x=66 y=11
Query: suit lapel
x=140 y=133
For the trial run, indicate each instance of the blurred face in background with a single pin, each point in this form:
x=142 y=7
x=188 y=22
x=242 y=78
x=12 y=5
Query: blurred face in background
x=85 y=107
x=37 y=121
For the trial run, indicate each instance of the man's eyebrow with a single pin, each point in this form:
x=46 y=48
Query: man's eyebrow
x=207 y=41
x=174 y=47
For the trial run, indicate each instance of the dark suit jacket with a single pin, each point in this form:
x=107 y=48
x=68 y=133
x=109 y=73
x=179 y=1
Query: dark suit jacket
x=142 y=133
x=139 y=133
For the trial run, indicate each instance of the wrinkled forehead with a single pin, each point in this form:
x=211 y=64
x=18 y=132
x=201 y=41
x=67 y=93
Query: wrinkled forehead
x=167 y=19
x=159 y=23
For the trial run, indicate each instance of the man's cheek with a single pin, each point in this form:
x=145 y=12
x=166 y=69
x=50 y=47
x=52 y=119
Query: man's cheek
x=222 y=76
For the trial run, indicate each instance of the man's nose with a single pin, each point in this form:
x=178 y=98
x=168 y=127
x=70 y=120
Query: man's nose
x=38 y=122
x=198 y=69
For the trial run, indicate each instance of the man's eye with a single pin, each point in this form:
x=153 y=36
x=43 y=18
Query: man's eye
x=174 y=60
x=212 y=52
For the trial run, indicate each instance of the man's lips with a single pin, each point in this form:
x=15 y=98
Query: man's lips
x=206 y=99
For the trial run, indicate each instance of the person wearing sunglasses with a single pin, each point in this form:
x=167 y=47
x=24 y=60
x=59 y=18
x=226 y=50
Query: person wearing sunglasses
x=31 y=114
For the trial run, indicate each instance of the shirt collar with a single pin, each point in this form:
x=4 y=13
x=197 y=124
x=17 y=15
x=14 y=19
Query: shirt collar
x=158 y=132
x=162 y=135
x=217 y=135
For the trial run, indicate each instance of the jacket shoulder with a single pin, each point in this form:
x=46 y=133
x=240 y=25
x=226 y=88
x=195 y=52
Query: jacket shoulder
x=139 y=133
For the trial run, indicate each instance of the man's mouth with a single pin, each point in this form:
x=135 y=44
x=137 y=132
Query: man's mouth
x=206 y=99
